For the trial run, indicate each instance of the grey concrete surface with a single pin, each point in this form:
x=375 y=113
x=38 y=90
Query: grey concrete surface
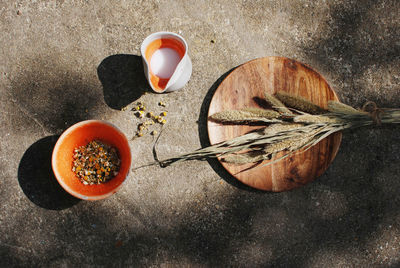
x=67 y=61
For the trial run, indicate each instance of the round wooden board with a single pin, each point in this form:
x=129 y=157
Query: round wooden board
x=244 y=87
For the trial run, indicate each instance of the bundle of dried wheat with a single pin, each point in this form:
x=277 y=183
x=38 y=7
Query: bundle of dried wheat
x=293 y=124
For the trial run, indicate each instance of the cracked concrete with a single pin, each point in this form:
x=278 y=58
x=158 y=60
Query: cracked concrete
x=67 y=61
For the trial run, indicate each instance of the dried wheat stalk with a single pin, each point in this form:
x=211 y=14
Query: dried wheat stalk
x=295 y=124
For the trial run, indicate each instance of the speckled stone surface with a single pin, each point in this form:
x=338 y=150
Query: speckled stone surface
x=66 y=61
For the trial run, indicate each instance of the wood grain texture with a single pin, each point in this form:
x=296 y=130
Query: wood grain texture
x=244 y=87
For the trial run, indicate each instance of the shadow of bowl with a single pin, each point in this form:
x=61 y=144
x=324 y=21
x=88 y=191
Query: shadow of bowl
x=37 y=179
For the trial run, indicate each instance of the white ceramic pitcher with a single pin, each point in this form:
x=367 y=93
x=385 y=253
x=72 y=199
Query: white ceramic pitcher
x=175 y=61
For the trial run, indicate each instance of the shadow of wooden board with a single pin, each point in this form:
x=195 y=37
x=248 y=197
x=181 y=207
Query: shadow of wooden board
x=244 y=87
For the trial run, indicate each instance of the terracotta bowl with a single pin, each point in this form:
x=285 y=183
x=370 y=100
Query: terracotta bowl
x=81 y=134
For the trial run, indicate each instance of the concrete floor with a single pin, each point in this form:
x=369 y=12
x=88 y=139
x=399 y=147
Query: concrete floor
x=67 y=61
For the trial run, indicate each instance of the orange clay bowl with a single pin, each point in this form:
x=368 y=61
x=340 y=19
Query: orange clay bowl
x=81 y=134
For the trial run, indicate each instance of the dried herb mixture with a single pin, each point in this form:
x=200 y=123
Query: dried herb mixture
x=95 y=162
